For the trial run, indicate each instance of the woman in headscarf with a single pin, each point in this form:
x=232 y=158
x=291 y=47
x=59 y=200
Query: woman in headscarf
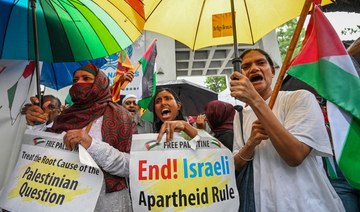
x=220 y=116
x=107 y=135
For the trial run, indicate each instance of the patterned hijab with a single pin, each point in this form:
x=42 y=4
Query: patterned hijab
x=220 y=115
x=92 y=101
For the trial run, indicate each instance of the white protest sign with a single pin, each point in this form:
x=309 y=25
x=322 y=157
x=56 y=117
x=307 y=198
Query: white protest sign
x=175 y=177
x=49 y=178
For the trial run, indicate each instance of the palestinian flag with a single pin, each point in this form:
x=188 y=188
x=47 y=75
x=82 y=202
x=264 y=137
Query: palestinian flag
x=151 y=144
x=148 y=85
x=18 y=93
x=216 y=142
x=324 y=64
x=39 y=140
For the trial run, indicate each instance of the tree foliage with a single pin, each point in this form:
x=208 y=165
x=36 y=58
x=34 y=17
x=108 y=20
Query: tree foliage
x=284 y=35
x=351 y=31
x=216 y=83
x=286 y=31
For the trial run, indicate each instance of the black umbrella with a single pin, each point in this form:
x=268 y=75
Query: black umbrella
x=192 y=96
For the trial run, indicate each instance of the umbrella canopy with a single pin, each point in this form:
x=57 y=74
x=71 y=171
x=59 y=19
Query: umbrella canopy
x=192 y=96
x=202 y=23
x=68 y=30
x=60 y=75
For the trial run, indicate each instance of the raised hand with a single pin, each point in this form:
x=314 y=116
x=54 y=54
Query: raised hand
x=35 y=113
x=129 y=76
x=241 y=88
x=201 y=121
x=258 y=134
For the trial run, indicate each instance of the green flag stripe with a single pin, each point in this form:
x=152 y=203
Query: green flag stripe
x=11 y=94
x=144 y=64
x=148 y=116
x=350 y=157
x=330 y=81
x=144 y=103
x=331 y=170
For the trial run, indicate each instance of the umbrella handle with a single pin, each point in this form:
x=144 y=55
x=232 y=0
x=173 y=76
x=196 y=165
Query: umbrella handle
x=236 y=61
x=36 y=49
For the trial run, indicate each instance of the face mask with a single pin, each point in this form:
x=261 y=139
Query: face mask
x=80 y=92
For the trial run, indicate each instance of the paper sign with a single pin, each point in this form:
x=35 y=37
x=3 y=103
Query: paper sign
x=175 y=177
x=49 y=178
x=222 y=25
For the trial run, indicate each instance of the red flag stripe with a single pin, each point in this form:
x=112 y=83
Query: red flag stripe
x=325 y=46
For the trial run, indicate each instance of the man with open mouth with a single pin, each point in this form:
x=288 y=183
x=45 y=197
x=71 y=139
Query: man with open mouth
x=282 y=143
x=129 y=102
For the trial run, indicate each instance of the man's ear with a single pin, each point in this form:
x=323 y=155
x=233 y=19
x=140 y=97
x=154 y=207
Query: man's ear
x=273 y=70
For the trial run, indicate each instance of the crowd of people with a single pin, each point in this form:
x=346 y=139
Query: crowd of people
x=284 y=144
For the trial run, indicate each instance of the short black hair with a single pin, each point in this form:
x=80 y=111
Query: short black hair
x=54 y=98
x=267 y=56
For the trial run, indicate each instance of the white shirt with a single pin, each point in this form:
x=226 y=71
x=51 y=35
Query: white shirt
x=277 y=186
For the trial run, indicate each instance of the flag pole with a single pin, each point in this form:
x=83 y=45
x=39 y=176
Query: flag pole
x=123 y=86
x=290 y=51
x=36 y=49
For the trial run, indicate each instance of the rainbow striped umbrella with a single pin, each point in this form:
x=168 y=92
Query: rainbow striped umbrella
x=67 y=30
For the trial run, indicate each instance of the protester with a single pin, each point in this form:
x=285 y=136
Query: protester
x=107 y=135
x=168 y=115
x=129 y=102
x=220 y=116
x=283 y=142
x=51 y=108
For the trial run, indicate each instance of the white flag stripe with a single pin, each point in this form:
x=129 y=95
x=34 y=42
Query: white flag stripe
x=345 y=63
x=339 y=125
